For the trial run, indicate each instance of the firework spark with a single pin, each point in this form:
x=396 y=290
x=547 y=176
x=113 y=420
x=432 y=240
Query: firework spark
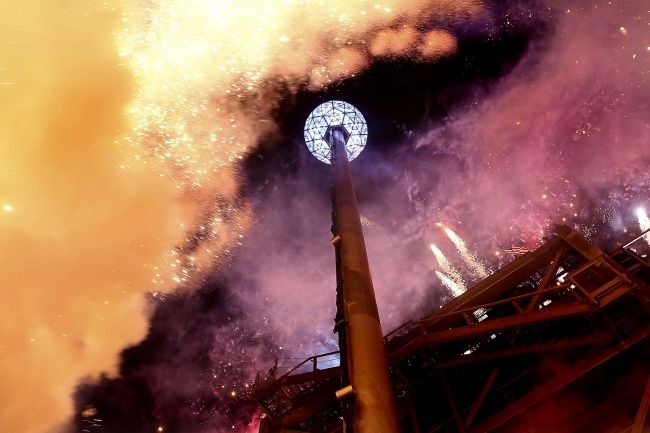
x=470 y=258
x=455 y=288
x=451 y=272
x=203 y=87
x=203 y=75
x=644 y=222
x=204 y=92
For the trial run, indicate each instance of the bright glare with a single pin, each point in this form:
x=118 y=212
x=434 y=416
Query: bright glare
x=644 y=222
x=335 y=113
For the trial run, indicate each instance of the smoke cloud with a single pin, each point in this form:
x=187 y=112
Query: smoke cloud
x=75 y=230
x=190 y=90
x=562 y=139
x=120 y=170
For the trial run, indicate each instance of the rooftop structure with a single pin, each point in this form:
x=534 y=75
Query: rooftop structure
x=555 y=341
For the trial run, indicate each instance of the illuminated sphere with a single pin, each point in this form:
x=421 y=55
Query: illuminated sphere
x=335 y=113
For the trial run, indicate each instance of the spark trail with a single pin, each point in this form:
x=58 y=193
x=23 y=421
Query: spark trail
x=451 y=272
x=450 y=284
x=470 y=258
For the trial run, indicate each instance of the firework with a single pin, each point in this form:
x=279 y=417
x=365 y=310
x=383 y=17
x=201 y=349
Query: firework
x=451 y=272
x=644 y=223
x=203 y=97
x=470 y=258
x=454 y=288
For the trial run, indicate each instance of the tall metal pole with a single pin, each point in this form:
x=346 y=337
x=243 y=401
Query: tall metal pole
x=373 y=407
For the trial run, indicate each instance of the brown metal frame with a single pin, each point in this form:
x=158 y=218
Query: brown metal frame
x=642 y=413
x=452 y=338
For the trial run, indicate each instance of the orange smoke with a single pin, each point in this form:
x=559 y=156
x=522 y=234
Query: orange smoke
x=75 y=229
x=394 y=42
x=408 y=42
x=121 y=127
x=203 y=85
x=437 y=43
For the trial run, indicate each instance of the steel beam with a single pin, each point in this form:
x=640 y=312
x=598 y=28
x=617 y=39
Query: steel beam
x=578 y=243
x=549 y=276
x=642 y=413
x=549 y=346
x=499 y=283
x=563 y=379
x=415 y=424
x=481 y=398
x=493 y=326
x=452 y=403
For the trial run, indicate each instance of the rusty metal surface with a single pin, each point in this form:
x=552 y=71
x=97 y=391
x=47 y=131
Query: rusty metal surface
x=561 y=380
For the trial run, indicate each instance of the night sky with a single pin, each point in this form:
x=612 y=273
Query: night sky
x=497 y=120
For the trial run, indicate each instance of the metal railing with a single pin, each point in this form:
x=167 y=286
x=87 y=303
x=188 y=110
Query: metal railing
x=279 y=370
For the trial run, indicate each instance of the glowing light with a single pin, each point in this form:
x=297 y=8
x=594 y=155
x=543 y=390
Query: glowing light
x=88 y=412
x=196 y=61
x=472 y=261
x=7 y=208
x=453 y=274
x=450 y=284
x=335 y=113
x=202 y=96
x=644 y=222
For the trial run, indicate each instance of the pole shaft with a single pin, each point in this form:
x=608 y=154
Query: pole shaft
x=367 y=367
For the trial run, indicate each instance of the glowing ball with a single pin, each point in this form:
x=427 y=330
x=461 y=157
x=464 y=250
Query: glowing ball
x=335 y=113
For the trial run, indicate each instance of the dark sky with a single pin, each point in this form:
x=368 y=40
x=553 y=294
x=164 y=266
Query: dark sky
x=536 y=120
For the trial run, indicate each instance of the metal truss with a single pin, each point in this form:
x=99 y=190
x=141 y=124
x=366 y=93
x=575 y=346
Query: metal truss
x=486 y=355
